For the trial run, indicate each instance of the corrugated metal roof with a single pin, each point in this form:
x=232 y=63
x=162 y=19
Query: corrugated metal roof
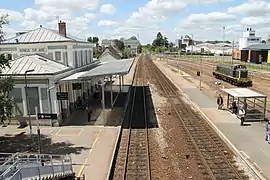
x=40 y=35
x=40 y=64
x=258 y=47
x=243 y=92
x=110 y=68
x=73 y=76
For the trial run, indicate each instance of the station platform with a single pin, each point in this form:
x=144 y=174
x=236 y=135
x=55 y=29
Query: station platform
x=248 y=142
x=91 y=147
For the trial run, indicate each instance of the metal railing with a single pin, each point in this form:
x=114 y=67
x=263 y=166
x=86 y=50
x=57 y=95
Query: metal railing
x=19 y=166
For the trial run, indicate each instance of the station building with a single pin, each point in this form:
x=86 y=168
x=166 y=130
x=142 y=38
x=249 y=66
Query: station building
x=251 y=49
x=40 y=59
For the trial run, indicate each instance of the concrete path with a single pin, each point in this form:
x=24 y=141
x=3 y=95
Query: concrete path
x=91 y=147
x=249 y=140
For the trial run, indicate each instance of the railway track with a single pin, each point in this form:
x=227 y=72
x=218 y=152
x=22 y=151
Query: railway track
x=213 y=157
x=133 y=155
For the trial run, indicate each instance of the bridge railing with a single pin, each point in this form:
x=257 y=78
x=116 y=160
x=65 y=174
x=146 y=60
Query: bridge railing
x=20 y=166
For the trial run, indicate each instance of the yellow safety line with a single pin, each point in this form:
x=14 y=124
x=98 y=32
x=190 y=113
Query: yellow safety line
x=86 y=159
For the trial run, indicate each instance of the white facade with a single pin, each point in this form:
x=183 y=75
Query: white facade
x=106 y=43
x=52 y=56
x=211 y=48
x=71 y=54
x=132 y=44
x=69 y=51
x=249 y=38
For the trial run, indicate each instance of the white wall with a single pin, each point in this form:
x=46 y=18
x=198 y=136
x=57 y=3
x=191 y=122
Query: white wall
x=24 y=100
x=42 y=48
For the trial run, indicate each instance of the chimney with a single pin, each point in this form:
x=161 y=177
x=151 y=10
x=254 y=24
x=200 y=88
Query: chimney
x=62 y=28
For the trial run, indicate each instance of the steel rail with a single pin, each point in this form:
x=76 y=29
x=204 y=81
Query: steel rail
x=167 y=87
x=130 y=136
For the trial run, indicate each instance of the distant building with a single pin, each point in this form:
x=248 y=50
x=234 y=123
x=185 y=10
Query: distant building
x=249 y=38
x=129 y=43
x=106 y=43
x=211 y=48
x=185 y=41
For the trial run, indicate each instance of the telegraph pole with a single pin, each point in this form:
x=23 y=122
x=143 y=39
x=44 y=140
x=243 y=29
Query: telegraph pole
x=232 y=51
x=192 y=46
x=223 y=43
x=200 y=72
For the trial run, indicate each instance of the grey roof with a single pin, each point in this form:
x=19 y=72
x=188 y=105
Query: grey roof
x=111 y=50
x=243 y=92
x=40 y=64
x=258 y=47
x=116 y=67
x=40 y=35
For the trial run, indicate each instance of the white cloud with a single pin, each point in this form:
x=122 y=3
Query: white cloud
x=90 y=16
x=146 y=20
x=107 y=23
x=12 y=15
x=252 y=7
x=156 y=11
x=256 y=21
x=108 y=9
x=69 y=4
x=209 y=18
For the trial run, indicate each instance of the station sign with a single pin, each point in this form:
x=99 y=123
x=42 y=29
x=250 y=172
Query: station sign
x=62 y=95
x=76 y=86
x=32 y=50
x=47 y=116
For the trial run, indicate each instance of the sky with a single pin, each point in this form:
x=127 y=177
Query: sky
x=110 y=19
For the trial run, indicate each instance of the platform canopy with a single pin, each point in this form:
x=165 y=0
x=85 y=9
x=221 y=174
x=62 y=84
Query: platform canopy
x=73 y=77
x=116 y=67
x=243 y=93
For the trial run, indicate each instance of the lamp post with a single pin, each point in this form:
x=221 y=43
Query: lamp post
x=27 y=100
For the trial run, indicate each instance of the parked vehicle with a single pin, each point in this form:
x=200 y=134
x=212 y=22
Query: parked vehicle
x=235 y=74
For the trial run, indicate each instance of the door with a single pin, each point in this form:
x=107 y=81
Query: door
x=33 y=99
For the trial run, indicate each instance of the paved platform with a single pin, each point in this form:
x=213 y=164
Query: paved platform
x=91 y=147
x=249 y=140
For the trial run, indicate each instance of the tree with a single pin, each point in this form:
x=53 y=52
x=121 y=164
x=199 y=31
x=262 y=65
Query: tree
x=6 y=82
x=89 y=39
x=139 y=49
x=119 y=44
x=95 y=40
x=133 y=38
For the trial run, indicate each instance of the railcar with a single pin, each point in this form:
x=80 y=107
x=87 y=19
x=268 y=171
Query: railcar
x=235 y=74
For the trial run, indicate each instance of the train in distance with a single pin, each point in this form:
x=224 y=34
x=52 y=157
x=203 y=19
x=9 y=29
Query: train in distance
x=235 y=74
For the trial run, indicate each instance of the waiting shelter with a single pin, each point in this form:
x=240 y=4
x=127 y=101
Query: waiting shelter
x=253 y=103
x=101 y=78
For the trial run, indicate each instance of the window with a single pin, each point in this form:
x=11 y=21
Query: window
x=58 y=55
x=75 y=59
x=45 y=100
x=65 y=60
x=86 y=57
x=50 y=55
x=82 y=58
x=90 y=56
x=33 y=99
x=16 y=93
